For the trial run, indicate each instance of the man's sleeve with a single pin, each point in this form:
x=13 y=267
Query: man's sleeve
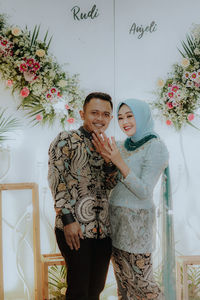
x=58 y=170
x=111 y=175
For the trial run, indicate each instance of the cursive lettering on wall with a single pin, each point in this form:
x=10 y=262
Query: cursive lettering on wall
x=78 y=15
x=140 y=30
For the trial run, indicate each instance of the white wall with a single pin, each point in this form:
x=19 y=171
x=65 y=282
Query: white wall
x=121 y=65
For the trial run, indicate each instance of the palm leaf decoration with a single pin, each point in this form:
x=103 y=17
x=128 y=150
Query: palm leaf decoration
x=7 y=124
x=189 y=46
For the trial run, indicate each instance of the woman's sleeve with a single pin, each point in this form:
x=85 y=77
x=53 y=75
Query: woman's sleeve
x=153 y=165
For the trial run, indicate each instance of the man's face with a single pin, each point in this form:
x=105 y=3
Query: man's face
x=96 y=115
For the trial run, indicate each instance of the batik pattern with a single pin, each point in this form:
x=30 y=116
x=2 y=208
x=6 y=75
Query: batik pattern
x=79 y=184
x=134 y=275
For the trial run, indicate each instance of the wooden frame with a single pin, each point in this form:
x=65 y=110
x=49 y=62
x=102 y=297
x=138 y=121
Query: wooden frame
x=49 y=260
x=36 y=235
x=184 y=261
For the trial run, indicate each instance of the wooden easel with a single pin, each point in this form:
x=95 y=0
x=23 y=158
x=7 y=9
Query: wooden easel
x=36 y=236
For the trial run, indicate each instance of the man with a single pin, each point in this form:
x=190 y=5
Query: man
x=80 y=182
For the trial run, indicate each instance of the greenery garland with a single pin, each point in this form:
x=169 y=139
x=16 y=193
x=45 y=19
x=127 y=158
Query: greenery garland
x=46 y=92
x=178 y=97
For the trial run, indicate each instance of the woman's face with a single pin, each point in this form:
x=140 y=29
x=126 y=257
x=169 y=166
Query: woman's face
x=126 y=120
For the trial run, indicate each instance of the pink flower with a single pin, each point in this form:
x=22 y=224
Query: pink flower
x=25 y=92
x=67 y=106
x=190 y=117
x=36 y=66
x=49 y=96
x=193 y=76
x=23 y=68
x=170 y=105
x=9 y=83
x=197 y=84
x=39 y=117
x=53 y=90
x=71 y=120
x=30 y=62
x=169 y=122
x=4 y=43
x=29 y=76
x=175 y=88
x=170 y=94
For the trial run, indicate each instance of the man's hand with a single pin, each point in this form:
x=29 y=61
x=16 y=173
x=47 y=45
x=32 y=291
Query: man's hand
x=73 y=233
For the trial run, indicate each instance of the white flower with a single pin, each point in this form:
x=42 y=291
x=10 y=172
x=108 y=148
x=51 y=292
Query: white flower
x=40 y=52
x=185 y=62
x=16 y=31
x=62 y=83
x=160 y=83
x=63 y=291
x=196 y=51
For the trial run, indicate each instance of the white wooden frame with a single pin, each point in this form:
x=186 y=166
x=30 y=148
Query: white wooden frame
x=36 y=236
x=184 y=261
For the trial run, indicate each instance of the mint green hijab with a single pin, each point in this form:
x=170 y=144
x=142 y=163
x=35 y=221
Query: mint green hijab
x=143 y=118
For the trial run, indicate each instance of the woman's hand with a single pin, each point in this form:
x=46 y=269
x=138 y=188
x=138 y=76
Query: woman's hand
x=109 y=151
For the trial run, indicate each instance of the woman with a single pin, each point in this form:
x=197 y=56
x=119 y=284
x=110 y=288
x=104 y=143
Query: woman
x=140 y=159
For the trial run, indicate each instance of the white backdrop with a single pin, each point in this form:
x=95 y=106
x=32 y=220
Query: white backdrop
x=110 y=59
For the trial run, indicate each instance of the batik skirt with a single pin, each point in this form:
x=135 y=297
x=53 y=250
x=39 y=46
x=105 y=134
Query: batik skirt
x=134 y=275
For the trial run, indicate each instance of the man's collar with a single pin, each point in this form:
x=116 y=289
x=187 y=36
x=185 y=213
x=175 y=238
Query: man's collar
x=86 y=133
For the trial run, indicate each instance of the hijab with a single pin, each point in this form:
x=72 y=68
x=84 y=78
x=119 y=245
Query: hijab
x=143 y=118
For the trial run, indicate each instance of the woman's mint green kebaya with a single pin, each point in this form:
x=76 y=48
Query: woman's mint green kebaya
x=132 y=210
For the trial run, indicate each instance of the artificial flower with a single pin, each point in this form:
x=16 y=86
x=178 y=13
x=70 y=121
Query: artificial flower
x=29 y=76
x=30 y=62
x=175 y=88
x=71 y=120
x=193 y=76
x=186 y=75
x=16 y=31
x=9 y=83
x=40 y=53
x=196 y=51
x=170 y=105
x=23 y=67
x=36 y=66
x=170 y=94
x=24 y=92
x=39 y=117
x=62 y=83
x=168 y=122
x=185 y=62
x=190 y=117
x=67 y=106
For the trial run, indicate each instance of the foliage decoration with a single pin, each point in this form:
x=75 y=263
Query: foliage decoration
x=7 y=125
x=46 y=92
x=57 y=282
x=179 y=95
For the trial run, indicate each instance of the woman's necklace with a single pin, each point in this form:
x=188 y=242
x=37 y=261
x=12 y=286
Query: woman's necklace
x=131 y=146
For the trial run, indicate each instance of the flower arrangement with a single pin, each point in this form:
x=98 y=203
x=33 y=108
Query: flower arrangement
x=178 y=95
x=46 y=92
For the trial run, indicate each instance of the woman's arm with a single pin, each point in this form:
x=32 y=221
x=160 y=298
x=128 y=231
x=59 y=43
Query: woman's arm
x=155 y=162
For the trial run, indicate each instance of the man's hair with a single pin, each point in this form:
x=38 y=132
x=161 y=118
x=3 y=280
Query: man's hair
x=97 y=95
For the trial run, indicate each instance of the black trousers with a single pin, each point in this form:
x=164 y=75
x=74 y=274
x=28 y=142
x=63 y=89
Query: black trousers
x=86 y=268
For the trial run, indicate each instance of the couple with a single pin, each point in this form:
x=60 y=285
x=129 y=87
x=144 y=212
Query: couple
x=85 y=168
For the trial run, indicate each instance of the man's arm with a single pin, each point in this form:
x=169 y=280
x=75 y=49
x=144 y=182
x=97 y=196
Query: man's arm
x=59 y=168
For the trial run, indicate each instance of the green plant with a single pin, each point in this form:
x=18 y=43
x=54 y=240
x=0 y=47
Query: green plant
x=7 y=125
x=57 y=282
